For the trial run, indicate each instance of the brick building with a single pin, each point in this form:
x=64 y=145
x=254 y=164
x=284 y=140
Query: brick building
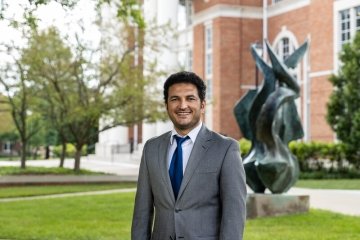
x=221 y=34
x=214 y=38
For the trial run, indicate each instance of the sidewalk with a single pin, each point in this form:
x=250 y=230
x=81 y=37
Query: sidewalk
x=341 y=201
x=62 y=195
x=123 y=165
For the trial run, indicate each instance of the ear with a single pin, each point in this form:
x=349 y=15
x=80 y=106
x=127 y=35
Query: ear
x=202 y=106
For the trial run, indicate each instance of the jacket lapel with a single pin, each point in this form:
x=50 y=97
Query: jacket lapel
x=163 y=167
x=201 y=145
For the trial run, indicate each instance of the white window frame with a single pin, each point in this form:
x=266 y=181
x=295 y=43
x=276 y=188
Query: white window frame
x=292 y=45
x=357 y=18
x=7 y=147
x=208 y=44
x=345 y=26
x=189 y=59
x=284 y=48
x=340 y=6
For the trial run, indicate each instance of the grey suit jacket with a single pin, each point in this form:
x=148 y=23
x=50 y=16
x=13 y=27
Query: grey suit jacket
x=212 y=196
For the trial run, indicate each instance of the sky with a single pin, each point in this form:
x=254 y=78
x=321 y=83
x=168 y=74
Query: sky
x=53 y=14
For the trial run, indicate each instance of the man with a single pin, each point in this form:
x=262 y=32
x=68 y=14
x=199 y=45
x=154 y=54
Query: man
x=195 y=190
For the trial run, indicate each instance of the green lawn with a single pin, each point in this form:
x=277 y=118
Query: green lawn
x=108 y=217
x=26 y=191
x=316 y=225
x=43 y=170
x=350 y=184
x=72 y=218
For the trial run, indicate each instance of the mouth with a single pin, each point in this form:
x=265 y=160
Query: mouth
x=183 y=114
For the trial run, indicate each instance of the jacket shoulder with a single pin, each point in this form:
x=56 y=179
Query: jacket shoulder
x=221 y=138
x=156 y=139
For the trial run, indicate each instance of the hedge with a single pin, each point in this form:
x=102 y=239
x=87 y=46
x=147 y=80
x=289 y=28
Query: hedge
x=317 y=159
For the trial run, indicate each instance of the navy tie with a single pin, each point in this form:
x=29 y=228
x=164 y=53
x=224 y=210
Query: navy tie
x=176 y=166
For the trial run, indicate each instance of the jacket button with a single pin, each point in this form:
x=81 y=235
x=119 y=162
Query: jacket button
x=177 y=210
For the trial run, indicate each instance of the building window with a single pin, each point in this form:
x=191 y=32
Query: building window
x=189 y=60
x=7 y=147
x=276 y=1
x=357 y=18
x=189 y=12
x=345 y=26
x=284 y=48
x=208 y=59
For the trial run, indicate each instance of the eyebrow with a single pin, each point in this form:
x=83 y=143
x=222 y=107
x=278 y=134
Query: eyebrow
x=187 y=96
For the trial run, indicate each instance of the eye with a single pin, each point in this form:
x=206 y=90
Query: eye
x=192 y=98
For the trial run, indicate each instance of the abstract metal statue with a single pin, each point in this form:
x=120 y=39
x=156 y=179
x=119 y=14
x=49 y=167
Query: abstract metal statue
x=269 y=119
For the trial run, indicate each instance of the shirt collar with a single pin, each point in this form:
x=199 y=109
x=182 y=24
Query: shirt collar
x=192 y=134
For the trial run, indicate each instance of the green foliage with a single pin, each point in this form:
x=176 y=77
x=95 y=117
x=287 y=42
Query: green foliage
x=11 y=136
x=343 y=107
x=331 y=173
x=70 y=150
x=71 y=85
x=128 y=11
x=312 y=157
x=316 y=152
x=245 y=146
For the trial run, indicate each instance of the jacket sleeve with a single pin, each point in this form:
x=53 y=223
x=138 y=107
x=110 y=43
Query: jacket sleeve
x=144 y=208
x=233 y=195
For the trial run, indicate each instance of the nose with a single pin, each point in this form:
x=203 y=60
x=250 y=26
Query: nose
x=183 y=104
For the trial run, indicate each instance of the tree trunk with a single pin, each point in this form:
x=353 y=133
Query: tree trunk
x=47 y=152
x=63 y=154
x=23 y=155
x=77 y=159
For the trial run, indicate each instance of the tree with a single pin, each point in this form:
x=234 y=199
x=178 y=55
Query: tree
x=19 y=97
x=78 y=89
x=7 y=127
x=75 y=85
x=343 y=107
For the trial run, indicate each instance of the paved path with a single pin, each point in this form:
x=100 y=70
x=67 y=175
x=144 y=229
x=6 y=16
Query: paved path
x=127 y=166
x=62 y=195
x=342 y=201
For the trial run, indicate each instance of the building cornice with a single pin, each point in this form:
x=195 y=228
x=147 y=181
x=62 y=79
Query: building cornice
x=236 y=11
x=286 y=6
x=225 y=10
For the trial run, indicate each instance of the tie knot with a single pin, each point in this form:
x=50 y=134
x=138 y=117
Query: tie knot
x=180 y=140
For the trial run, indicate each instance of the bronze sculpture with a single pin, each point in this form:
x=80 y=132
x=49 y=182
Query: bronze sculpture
x=269 y=119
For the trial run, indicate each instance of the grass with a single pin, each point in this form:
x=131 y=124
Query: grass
x=10 y=158
x=316 y=225
x=27 y=191
x=108 y=217
x=72 y=218
x=44 y=171
x=349 y=184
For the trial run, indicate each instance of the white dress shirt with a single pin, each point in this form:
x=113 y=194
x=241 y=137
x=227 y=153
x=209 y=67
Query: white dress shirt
x=187 y=146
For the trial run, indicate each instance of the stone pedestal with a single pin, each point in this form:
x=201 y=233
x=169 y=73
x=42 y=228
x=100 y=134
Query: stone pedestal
x=264 y=205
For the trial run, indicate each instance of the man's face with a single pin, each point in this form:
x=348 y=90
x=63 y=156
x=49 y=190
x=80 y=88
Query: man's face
x=184 y=107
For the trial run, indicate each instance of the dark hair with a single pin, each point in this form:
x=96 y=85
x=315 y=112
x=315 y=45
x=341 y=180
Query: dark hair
x=185 y=77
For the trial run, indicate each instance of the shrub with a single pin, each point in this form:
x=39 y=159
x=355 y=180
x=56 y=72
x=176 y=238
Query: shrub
x=70 y=150
x=317 y=160
x=245 y=146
